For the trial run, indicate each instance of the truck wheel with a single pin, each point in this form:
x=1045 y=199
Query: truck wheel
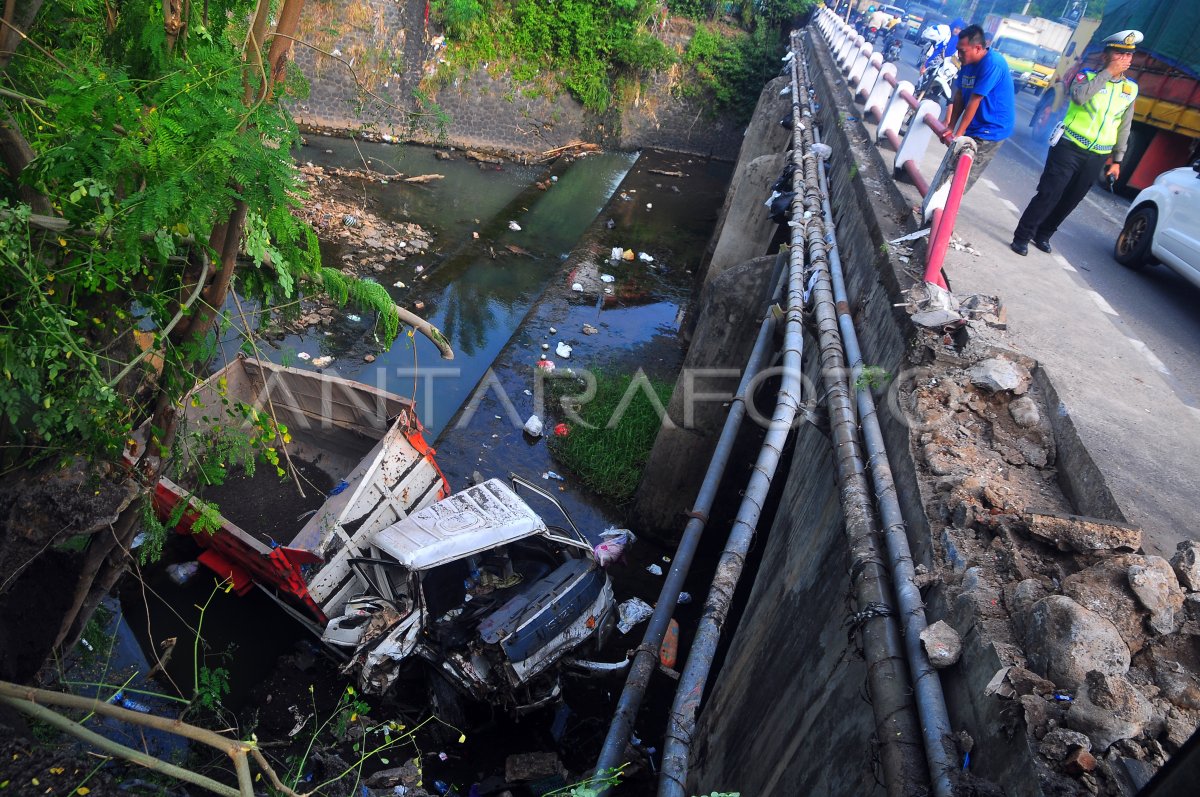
x=1133 y=244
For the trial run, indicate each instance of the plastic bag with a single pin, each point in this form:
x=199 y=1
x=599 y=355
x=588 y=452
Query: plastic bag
x=533 y=426
x=182 y=572
x=632 y=612
x=612 y=545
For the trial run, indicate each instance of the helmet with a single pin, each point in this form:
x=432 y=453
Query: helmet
x=936 y=34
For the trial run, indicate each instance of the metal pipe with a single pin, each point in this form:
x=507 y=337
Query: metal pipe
x=895 y=723
x=681 y=721
x=645 y=658
x=897 y=729
x=931 y=702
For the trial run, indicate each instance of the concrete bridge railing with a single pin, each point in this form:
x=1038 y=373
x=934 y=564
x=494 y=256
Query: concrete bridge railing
x=892 y=104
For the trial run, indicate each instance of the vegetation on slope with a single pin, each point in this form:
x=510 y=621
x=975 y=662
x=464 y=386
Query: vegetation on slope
x=592 y=47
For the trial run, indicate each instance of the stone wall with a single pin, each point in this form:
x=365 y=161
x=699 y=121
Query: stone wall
x=394 y=53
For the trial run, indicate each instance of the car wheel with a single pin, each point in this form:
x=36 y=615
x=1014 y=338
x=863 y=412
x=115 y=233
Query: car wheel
x=1133 y=244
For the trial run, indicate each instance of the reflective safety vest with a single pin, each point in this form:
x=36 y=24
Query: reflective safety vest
x=1094 y=126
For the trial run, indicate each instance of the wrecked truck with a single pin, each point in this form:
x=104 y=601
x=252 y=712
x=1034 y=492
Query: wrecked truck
x=392 y=571
x=478 y=587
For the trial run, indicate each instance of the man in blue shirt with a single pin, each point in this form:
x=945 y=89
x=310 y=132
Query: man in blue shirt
x=983 y=106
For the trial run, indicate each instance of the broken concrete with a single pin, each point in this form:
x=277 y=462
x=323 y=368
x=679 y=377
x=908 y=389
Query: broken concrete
x=1108 y=708
x=1156 y=587
x=1186 y=563
x=1083 y=534
x=1065 y=642
x=942 y=644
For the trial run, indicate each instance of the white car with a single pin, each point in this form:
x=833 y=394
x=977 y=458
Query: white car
x=1163 y=225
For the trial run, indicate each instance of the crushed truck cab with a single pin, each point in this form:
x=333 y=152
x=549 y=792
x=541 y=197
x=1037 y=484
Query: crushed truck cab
x=478 y=586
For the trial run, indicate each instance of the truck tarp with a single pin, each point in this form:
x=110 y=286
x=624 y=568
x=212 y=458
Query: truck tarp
x=1169 y=27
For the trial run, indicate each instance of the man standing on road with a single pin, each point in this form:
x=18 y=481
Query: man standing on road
x=983 y=106
x=1097 y=125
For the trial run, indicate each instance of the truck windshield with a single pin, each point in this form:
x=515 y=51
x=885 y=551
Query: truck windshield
x=1013 y=48
x=1047 y=57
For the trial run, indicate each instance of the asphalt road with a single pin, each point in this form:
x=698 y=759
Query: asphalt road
x=1155 y=308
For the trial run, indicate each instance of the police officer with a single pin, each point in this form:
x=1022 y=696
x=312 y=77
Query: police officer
x=1097 y=126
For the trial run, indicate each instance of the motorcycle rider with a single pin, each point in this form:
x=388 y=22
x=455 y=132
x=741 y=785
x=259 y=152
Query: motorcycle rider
x=945 y=43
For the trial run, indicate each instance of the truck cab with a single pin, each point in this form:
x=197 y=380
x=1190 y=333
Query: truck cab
x=481 y=589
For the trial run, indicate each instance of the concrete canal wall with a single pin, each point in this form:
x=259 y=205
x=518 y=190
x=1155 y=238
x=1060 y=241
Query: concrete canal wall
x=370 y=58
x=789 y=710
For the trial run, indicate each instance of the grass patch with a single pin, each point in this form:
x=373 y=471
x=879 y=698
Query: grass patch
x=612 y=433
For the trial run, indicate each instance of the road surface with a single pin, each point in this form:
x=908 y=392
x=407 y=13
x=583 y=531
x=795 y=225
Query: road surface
x=1156 y=309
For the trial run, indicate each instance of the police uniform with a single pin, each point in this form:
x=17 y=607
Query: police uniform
x=1096 y=127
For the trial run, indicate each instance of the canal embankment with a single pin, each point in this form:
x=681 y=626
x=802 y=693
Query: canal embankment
x=992 y=480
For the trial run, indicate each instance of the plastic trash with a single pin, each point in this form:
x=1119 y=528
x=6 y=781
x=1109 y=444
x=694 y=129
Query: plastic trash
x=321 y=362
x=607 y=278
x=822 y=151
x=125 y=702
x=512 y=225
x=588 y=329
x=138 y=540
x=616 y=253
x=562 y=350
x=398 y=284
x=182 y=572
x=553 y=330
x=645 y=258
x=545 y=347
x=781 y=206
x=533 y=426
x=546 y=365
x=354 y=318
x=627 y=254
x=304 y=355
x=562 y=430
x=649 y=206
x=654 y=570
x=632 y=612
x=684 y=598
x=339 y=488
x=575 y=286
x=612 y=545
x=552 y=475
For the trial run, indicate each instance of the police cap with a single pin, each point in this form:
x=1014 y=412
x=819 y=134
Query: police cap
x=1124 y=40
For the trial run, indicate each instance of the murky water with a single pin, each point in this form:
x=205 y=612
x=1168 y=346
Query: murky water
x=477 y=291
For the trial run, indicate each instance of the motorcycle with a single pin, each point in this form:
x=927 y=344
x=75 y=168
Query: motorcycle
x=936 y=84
x=891 y=51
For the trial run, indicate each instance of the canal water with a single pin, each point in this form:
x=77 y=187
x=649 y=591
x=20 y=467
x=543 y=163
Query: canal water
x=475 y=299
x=498 y=310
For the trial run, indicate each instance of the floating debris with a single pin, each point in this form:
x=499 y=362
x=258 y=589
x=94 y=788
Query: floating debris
x=512 y=225
x=562 y=350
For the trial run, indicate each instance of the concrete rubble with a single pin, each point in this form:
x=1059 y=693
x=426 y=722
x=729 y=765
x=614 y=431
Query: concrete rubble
x=1101 y=642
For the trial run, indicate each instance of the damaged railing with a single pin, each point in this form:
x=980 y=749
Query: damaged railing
x=891 y=102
